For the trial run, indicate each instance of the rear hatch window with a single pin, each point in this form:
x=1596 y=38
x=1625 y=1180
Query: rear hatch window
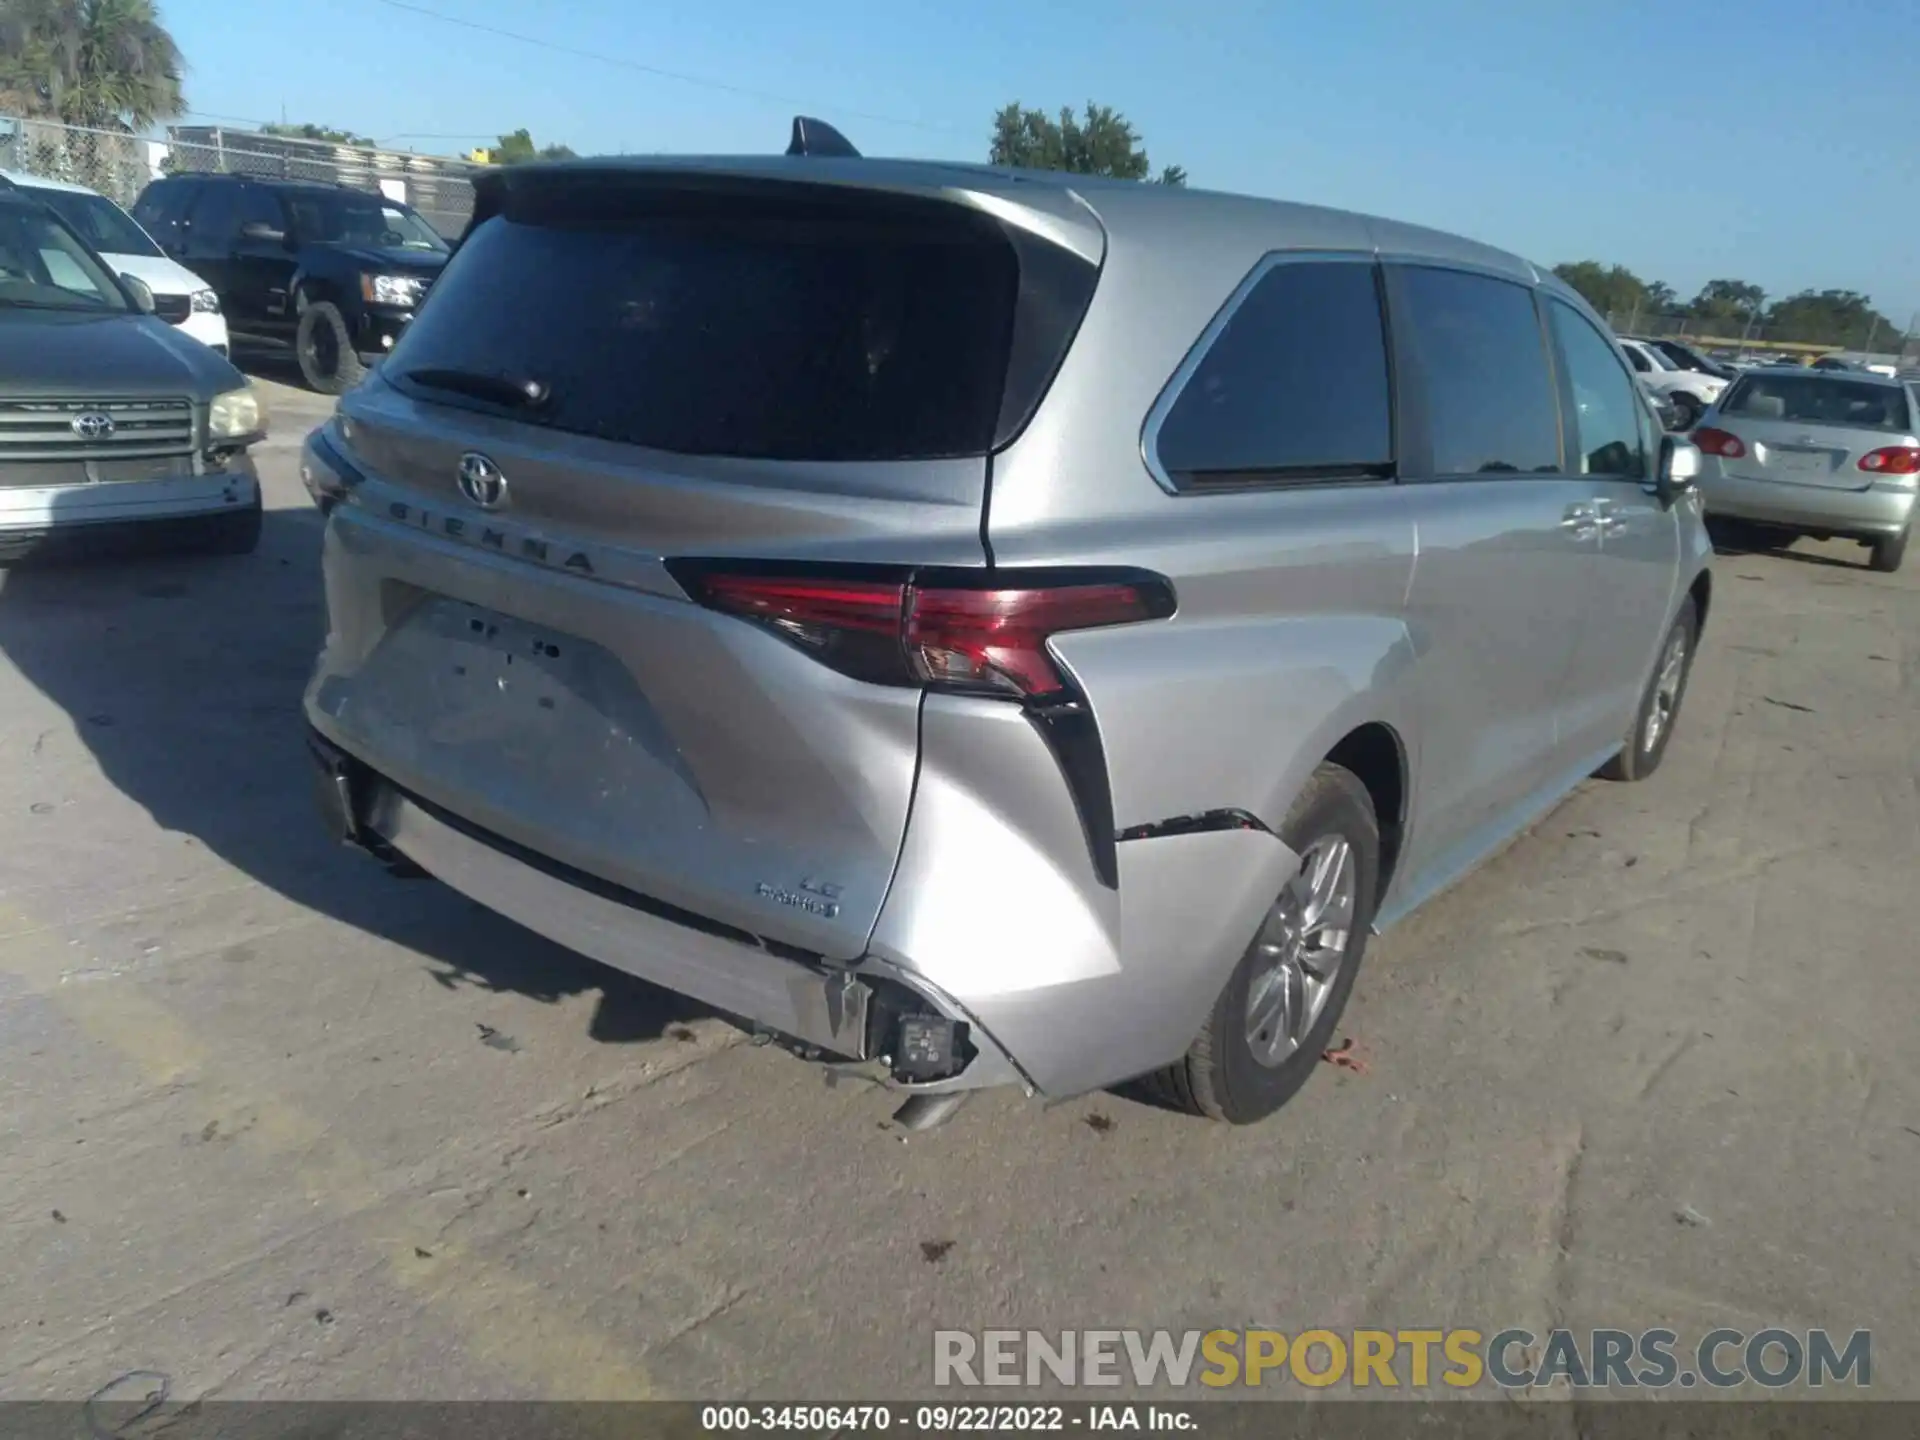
x=1820 y=400
x=770 y=321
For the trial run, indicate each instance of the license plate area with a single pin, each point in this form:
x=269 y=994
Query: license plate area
x=146 y=467
x=531 y=712
x=1811 y=463
x=509 y=678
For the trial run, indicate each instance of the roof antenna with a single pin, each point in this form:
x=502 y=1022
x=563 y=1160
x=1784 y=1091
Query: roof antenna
x=816 y=137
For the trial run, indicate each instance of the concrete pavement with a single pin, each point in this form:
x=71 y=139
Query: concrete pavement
x=279 y=1126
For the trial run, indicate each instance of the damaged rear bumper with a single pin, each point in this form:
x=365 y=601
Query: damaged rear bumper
x=869 y=1012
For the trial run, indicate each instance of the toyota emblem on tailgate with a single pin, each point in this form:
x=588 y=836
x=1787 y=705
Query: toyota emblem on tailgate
x=481 y=481
x=93 y=425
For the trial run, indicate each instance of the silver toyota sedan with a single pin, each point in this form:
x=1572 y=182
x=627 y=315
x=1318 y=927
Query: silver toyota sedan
x=1820 y=453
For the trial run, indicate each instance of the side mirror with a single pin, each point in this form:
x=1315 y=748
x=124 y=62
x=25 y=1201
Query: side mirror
x=1679 y=468
x=140 y=291
x=262 y=232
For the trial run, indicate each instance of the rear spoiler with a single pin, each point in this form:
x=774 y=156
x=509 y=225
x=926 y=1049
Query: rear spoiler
x=816 y=152
x=810 y=137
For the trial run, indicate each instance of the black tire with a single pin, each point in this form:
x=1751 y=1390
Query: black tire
x=325 y=350
x=1888 y=551
x=1220 y=1076
x=1639 y=757
x=1687 y=410
x=237 y=532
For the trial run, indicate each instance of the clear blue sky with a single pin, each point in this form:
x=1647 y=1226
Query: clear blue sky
x=1776 y=141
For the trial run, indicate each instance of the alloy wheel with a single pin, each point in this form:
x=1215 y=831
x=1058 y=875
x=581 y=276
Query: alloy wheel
x=1300 y=949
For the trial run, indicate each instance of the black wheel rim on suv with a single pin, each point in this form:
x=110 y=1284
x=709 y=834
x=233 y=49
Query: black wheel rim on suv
x=322 y=349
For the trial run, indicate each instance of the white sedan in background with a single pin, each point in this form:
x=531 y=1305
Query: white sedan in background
x=180 y=297
x=1688 y=391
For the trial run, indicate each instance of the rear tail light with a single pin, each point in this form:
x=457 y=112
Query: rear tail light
x=967 y=635
x=1892 y=460
x=1719 y=442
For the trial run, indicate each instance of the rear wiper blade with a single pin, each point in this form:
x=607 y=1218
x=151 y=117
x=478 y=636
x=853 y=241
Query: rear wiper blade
x=500 y=389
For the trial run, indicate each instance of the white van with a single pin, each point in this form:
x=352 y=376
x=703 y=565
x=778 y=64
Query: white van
x=180 y=297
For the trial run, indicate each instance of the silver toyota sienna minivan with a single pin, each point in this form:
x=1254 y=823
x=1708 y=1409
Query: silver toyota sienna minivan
x=1005 y=627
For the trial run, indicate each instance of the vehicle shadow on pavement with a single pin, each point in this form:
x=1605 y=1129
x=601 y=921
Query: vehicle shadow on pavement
x=182 y=675
x=1731 y=547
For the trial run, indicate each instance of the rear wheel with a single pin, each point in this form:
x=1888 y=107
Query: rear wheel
x=1888 y=551
x=1273 y=1020
x=1659 y=708
x=325 y=350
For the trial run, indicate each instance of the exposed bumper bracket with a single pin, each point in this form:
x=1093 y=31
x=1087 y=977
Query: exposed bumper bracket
x=341 y=786
x=925 y=1112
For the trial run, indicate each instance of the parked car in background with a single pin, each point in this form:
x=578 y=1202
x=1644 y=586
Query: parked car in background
x=332 y=273
x=1689 y=392
x=1681 y=356
x=180 y=297
x=114 y=424
x=714 y=661
x=1855 y=363
x=1785 y=362
x=1820 y=453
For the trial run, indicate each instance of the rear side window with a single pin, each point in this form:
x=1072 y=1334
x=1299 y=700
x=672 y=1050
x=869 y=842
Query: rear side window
x=774 y=323
x=1294 y=387
x=160 y=206
x=1820 y=400
x=1489 y=388
x=214 y=213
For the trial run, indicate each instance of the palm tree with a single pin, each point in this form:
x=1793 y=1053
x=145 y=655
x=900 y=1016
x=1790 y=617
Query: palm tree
x=104 y=64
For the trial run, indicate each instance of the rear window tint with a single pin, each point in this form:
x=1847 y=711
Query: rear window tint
x=791 y=328
x=1819 y=400
x=1294 y=387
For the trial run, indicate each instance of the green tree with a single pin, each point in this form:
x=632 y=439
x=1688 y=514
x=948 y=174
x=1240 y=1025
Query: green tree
x=318 y=132
x=105 y=64
x=518 y=148
x=1727 y=302
x=1613 y=290
x=1101 y=141
x=1844 y=319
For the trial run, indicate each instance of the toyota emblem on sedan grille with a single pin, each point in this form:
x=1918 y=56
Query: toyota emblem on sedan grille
x=93 y=425
x=481 y=481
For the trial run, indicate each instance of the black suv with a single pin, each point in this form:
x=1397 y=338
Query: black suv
x=335 y=273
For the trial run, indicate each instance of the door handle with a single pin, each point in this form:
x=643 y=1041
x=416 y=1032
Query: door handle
x=1583 y=521
x=1609 y=523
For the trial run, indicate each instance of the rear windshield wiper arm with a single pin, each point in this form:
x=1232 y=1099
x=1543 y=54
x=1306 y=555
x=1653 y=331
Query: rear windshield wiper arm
x=499 y=389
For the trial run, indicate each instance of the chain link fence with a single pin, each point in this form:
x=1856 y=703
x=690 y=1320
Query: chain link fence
x=120 y=166
x=1875 y=343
